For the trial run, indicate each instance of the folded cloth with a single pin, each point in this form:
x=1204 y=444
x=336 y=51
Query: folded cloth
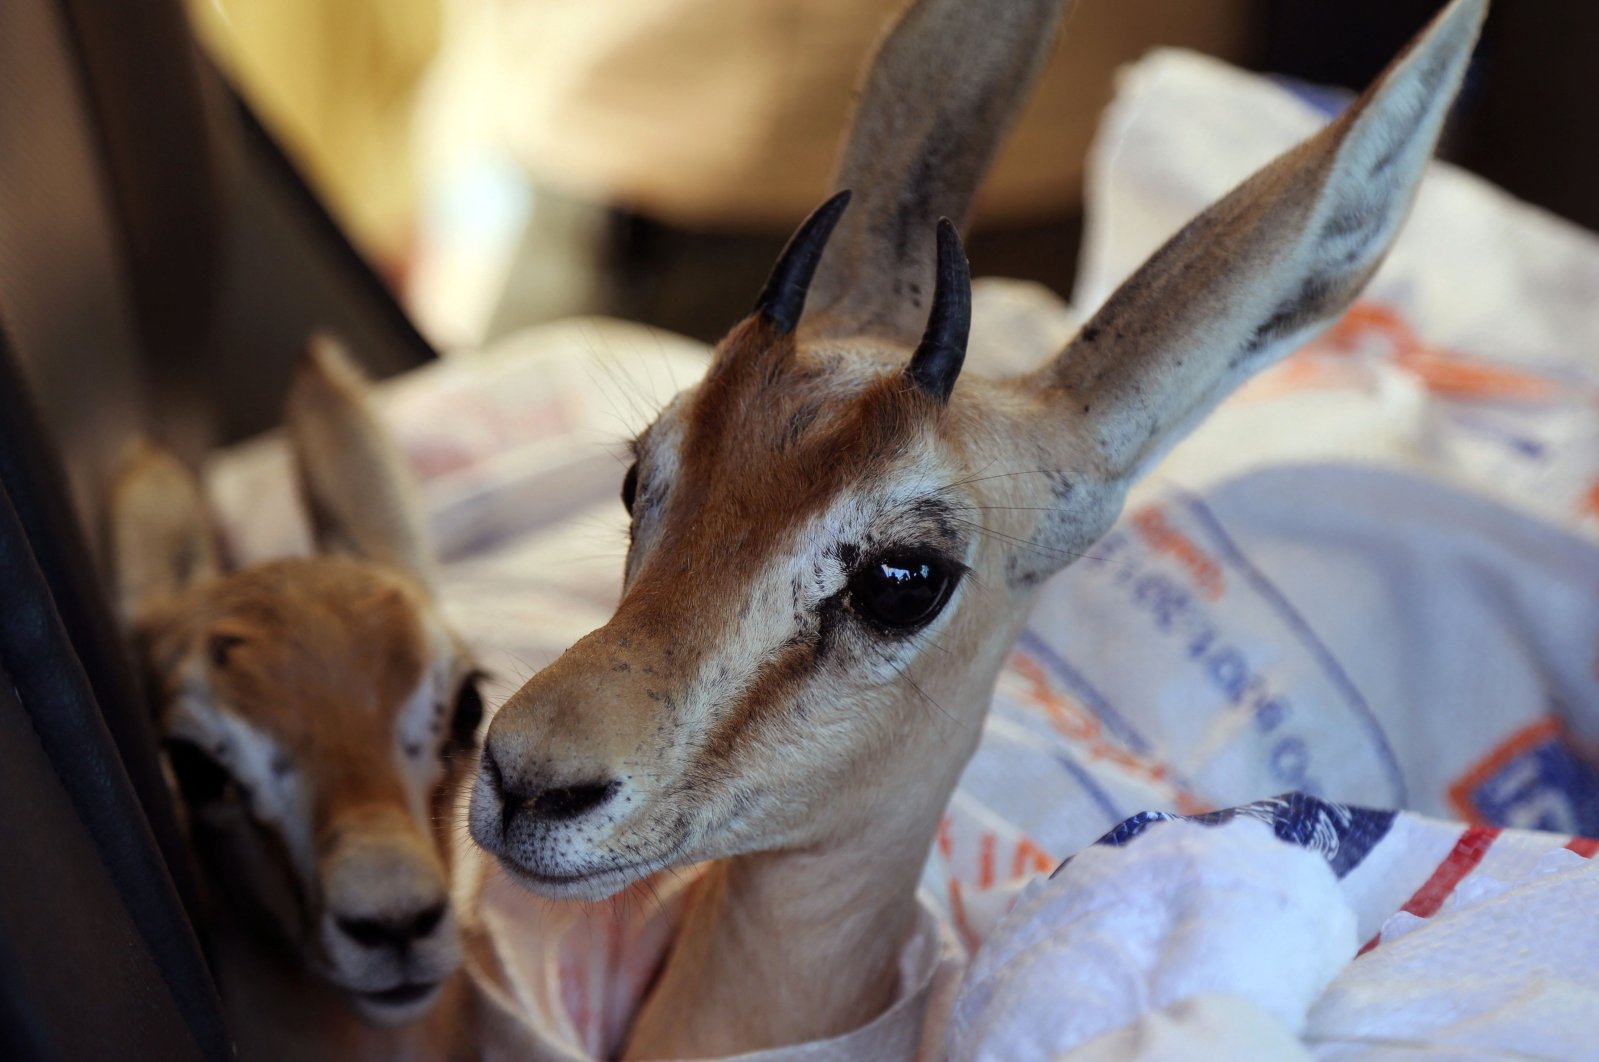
x=1189 y=911
x=1291 y=928
x=1236 y=935
x=1187 y=1031
x=1504 y=968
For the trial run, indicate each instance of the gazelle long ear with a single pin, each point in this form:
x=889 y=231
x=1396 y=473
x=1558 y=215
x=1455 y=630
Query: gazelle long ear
x=1262 y=270
x=359 y=495
x=939 y=96
x=161 y=535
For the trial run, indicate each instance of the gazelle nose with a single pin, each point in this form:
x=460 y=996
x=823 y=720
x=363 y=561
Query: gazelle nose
x=537 y=799
x=570 y=801
x=392 y=931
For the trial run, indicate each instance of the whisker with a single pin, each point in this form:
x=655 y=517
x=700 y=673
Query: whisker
x=984 y=479
x=1016 y=508
x=905 y=674
x=1024 y=544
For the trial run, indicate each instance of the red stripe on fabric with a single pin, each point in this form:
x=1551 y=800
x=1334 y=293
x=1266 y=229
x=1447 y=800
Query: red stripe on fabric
x=1584 y=846
x=985 y=862
x=1467 y=853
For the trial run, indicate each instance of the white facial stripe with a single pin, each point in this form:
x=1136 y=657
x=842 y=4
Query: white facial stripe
x=279 y=794
x=422 y=725
x=666 y=439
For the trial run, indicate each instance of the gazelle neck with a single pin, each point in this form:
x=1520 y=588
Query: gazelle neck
x=782 y=947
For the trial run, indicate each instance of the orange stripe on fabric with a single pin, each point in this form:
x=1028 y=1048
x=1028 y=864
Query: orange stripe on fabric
x=957 y=914
x=1522 y=741
x=1028 y=857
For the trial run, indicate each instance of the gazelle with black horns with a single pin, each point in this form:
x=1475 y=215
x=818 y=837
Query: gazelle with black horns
x=836 y=535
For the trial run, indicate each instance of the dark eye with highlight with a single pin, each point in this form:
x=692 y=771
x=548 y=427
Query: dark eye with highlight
x=902 y=592
x=630 y=487
x=201 y=779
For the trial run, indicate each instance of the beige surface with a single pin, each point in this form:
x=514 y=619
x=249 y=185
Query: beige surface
x=727 y=113
x=702 y=113
x=336 y=81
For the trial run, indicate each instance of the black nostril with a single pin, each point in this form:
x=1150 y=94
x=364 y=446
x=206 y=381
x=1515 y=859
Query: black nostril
x=375 y=932
x=570 y=801
x=395 y=932
x=517 y=796
x=425 y=922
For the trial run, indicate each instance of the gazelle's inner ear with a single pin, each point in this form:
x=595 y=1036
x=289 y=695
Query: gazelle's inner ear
x=359 y=495
x=1261 y=271
x=940 y=94
x=162 y=537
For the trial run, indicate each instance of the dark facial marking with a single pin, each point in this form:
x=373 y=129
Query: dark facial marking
x=220 y=646
x=201 y=779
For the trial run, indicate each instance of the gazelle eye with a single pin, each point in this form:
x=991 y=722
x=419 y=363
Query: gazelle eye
x=630 y=487
x=201 y=779
x=467 y=715
x=902 y=592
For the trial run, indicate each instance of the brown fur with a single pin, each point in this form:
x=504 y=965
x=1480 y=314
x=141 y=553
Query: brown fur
x=299 y=680
x=323 y=650
x=740 y=706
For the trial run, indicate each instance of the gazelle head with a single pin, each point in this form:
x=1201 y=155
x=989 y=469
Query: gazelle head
x=835 y=535
x=316 y=713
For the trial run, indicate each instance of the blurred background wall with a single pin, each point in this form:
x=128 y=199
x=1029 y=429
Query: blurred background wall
x=338 y=81
x=512 y=161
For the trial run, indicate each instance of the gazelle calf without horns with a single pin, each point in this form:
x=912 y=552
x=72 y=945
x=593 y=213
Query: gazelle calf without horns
x=836 y=536
x=317 y=716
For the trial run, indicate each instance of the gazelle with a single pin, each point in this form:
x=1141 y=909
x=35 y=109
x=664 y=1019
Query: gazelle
x=836 y=536
x=317 y=716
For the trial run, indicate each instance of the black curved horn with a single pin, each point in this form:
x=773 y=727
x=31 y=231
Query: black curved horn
x=938 y=358
x=783 y=298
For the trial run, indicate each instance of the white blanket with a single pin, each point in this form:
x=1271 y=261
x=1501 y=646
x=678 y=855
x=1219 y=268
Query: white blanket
x=1239 y=939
